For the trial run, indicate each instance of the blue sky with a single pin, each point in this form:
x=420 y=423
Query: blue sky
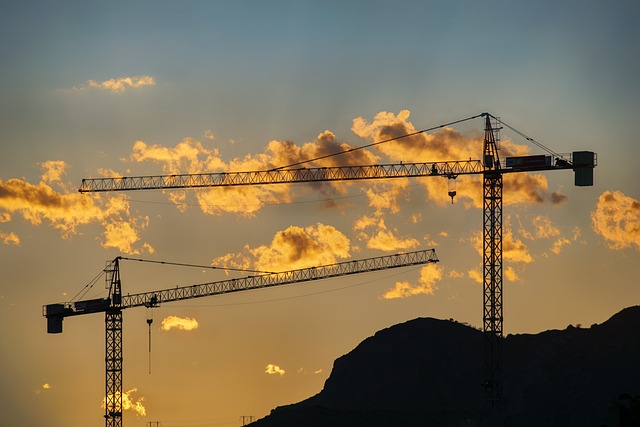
x=230 y=83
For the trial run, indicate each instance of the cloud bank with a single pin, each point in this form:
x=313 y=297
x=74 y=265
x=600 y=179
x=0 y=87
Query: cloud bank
x=66 y=211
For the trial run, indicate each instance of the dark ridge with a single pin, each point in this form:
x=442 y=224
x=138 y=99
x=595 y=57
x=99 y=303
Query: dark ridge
x=429 y=372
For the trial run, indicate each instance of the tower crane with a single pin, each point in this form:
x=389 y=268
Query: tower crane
x=116 y=302
x=490 y=167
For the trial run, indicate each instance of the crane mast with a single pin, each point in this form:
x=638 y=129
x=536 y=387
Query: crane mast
x=492 y=266
x=113 y=305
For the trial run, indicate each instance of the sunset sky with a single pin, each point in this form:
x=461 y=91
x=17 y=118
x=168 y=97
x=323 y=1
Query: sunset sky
x=154 y=87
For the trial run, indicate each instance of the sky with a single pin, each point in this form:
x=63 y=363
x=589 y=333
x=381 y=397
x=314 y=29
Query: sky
x=136 y=88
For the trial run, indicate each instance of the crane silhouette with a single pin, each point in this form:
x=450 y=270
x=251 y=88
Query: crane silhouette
x=489 y=166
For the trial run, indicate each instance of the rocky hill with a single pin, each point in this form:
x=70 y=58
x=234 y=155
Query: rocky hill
x=429 y=372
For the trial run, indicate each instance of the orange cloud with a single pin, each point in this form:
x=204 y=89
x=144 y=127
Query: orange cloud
x=455 y=274
x=382 y=238
x=118 y=85
x=45 y=386
x=291 y=249
x=65 y=212
x=385 y=195
x=511 y=275
x=182 y=323
x=514 y=249
x=559 y=244
x=476 y=275
x=543 y=228
x=191 y=156
x=53 y=170
x=188 y=156
x=617 y=219
x=429 y=276
x=9 y=238
x=128 y=404
x=272 y=369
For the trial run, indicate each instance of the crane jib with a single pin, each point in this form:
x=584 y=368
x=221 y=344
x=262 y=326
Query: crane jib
x=55 y=313
x=283 y=176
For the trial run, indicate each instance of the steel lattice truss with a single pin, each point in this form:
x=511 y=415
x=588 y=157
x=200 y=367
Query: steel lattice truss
x=282 y=176
x=278 y=279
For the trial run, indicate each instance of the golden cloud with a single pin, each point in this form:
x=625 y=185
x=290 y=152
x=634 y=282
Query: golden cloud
x=53 y=170
x=559 y=244
x=291 y=249
x=429 y=276
x=617 y=219
x=65 y=212
x=511 y=275
x=455 y=274
x=543 y=228
x=272 y=369
x=128 y=404
x=190 y=156
x=182 y=323
x=381 y=237
x=476 y=275
x=9 y=238
x=118 y=85
x=385 y=195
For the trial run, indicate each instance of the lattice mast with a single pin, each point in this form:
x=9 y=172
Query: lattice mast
x=492 y=265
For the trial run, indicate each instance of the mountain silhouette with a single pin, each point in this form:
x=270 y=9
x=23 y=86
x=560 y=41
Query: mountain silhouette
x=429 y=372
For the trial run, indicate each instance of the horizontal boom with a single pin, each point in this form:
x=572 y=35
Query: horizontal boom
x=282 y=176
x=55 y=313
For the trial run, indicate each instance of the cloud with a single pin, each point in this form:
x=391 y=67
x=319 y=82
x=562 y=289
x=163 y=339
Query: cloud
x=617 y=219
x=191 y=156
x=511 y=275
x=476 y=275
x=385 y=195
x=455 y=274
x=429 y=276
x=66 y=212
x=118 y=85
x=53 y=170
x=9 y=238
x=128 y=404
x=182 y=323
x=291 y=249
x=44 y=387
x=272 y=369
x=544 y=228
x=559 y=244
x=188 y=156
x=381 y=237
